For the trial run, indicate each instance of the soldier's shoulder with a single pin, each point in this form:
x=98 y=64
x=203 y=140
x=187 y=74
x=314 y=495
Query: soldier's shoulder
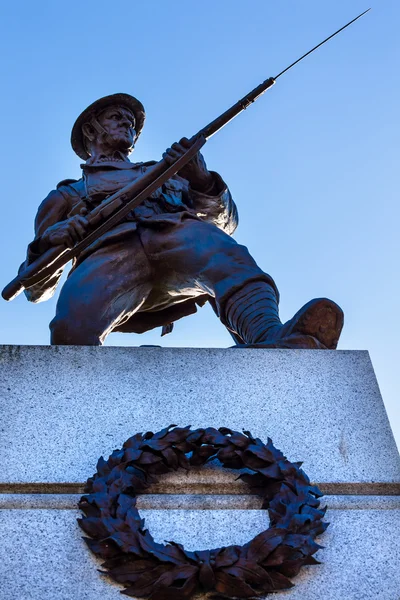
x=66 y=182
x=71 y=187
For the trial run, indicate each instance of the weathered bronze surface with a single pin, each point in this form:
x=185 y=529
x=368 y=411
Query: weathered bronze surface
x=169 y=254
x=151 y=241
x=170 y=572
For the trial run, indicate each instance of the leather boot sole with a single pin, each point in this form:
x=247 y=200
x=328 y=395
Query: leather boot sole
x=295 y=341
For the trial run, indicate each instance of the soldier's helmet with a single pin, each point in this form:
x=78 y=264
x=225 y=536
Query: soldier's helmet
x=126 y=100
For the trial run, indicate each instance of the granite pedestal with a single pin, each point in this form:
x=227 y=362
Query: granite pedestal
x=63 y=407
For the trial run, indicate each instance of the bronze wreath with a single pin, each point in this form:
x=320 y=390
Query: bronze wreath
x=169 y=572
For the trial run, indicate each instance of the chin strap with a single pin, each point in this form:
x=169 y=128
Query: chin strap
x=99 y=128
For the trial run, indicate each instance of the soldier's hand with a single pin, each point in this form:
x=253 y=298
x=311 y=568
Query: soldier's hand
x=195 y=171
x=67 y=233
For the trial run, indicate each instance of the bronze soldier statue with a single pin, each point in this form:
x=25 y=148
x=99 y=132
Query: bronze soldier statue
x=171 y=253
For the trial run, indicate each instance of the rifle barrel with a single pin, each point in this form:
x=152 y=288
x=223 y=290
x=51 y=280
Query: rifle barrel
x=236 y=109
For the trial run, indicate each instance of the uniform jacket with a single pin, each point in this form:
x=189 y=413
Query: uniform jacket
x=174 y=201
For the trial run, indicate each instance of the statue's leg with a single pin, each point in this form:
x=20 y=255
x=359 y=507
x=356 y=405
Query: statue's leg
x=103 y=291
x=252 y=312
x=246 y=298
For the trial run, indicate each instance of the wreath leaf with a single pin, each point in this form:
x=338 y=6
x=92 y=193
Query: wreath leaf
x=156 y=571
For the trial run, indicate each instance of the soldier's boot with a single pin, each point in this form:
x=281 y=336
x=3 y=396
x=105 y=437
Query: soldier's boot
x=252 y=313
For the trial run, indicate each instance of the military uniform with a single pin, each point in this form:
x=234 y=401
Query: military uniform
x=172 y=252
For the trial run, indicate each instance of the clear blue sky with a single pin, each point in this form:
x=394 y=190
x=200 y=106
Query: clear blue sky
x=313 y=166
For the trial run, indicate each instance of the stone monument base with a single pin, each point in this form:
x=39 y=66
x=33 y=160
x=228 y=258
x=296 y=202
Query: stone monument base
x=43 y=555
x=64 y=407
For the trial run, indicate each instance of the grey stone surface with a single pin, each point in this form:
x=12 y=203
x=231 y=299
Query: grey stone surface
x=194 y=502
x=42 y=554
x=63 y=407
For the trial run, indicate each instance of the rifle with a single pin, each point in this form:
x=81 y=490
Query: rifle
x=117 y=206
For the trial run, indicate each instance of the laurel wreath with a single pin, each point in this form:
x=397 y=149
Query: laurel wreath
x=169 y=572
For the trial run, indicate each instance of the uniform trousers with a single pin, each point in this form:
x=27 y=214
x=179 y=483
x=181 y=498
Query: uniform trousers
x=149 y=268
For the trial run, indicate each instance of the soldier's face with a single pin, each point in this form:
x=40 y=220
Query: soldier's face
x=119 y=123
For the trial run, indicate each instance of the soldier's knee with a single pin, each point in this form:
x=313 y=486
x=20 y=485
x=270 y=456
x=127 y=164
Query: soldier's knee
x=67 y=331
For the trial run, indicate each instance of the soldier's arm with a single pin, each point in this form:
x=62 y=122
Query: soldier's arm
x=208 y=193
x=51 y=211
x=215 y=204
